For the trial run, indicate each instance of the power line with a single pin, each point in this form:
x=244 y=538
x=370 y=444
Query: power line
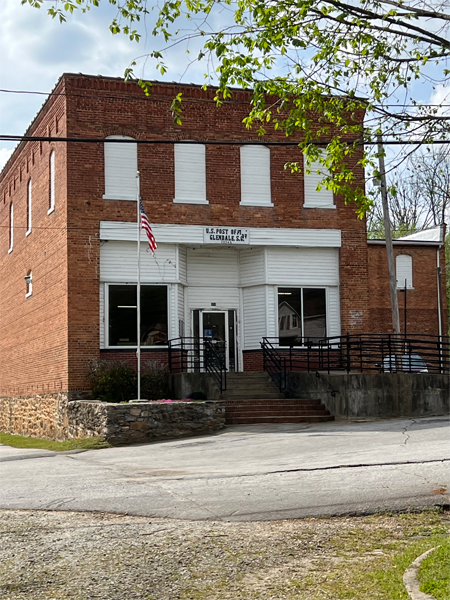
x=265 y=142
x=140 y=99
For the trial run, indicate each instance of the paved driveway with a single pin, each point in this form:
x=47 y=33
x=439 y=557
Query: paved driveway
x=248 y=472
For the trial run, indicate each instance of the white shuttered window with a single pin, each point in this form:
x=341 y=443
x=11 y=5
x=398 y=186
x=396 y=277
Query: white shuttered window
x=314 y=198
x=190 y=174
x=120 y=169
x=255 y=176
x=404 y=271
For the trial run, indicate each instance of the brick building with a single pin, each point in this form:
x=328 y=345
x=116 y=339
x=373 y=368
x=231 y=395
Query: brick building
x=296 y=263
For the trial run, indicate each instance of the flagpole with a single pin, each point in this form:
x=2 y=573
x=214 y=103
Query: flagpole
x=138 y=299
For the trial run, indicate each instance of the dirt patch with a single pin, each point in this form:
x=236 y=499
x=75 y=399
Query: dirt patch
x=80 y=556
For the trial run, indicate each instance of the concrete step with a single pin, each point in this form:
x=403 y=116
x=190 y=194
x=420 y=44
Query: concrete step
x=277 y=413
x=252 y=396
x=284 y=402
x=279 y=419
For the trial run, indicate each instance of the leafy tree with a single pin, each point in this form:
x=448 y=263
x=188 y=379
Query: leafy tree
x=312 y=66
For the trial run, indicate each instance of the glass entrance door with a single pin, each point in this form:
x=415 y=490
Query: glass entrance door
x=218 y=326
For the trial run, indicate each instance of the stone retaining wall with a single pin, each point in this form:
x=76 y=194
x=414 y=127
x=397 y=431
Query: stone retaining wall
x=59 y=417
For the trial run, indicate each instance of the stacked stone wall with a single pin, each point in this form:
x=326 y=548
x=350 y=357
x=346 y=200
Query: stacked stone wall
x=59 y=417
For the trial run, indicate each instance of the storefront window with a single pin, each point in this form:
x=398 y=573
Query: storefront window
x=123 y=315
x=301 y=315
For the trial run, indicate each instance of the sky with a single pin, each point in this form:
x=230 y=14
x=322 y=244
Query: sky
x=36 y=49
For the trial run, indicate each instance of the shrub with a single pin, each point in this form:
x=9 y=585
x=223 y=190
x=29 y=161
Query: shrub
x=112 y=380
x=154 y=381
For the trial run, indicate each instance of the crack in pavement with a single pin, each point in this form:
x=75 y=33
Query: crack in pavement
x=405 y=431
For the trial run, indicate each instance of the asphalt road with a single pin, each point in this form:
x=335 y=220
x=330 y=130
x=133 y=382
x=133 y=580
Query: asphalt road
x=248 y=472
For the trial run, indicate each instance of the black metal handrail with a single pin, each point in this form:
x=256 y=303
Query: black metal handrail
x=196 y=355
x=382 y=353
x=274 y=364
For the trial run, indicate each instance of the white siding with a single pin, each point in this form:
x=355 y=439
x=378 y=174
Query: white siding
x=190 y=173
x=254 y=317
x=252 y=267
x=120 y=170
x=172 y=310
x=180 y=308
x=303 y=266
x=203 y=297
x=272 y=311
x=102 y=316
x=118 y=263
x=404 y=267
x=193 y=235
x=212 y=267
x=313 y=197
x=255 y=176
x=182 y=264
x=333 y=312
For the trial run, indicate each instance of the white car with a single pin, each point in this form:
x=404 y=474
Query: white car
x=410 y=363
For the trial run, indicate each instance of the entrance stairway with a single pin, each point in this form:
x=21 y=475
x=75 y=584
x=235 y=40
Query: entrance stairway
x=252 y=397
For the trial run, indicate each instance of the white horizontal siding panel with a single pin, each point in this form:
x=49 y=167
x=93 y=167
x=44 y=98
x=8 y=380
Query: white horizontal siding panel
x=190 y=173
x=333 y=312
x=192 y=235
x=180 y=311
x=303 y=266
x=120 y=170
x=252 y=267
x=224 y=298
x=102 y=316
x=212 y=266
x=182 y=264
x=118 y=262
x=315 y=198
x=254 y=318
x=255 y=176
x=272 y=310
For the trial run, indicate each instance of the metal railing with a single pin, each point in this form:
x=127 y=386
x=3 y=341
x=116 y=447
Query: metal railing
x=199 y=355
x=274 y=364
x=365 y=353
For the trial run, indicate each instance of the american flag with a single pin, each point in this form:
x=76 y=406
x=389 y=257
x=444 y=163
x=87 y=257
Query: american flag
x=145 y=224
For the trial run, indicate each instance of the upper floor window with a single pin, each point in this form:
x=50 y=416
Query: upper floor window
x=11 y=227
x=190 y=173
x=404 y=271
x=120 y=169
x=51 y=182
x=28 y=208
x=315 y=198
x=255 y=176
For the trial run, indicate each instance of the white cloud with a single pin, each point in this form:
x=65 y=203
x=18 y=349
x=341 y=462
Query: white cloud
x=5 y=153
x=37 y=49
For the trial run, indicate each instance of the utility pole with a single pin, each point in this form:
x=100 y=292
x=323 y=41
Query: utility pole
x=388 y=238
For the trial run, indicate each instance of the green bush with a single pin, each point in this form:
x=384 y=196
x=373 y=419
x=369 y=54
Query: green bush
x=112 y=380
x=155 y=381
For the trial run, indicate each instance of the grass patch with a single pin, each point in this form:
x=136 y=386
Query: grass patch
x=20 y=441
x=434 y=573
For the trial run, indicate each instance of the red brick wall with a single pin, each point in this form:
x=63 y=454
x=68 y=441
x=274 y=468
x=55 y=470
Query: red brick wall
x=129 y=356
x=33 y=330
x=253 y=360
x=103 y=107
x=421 y=302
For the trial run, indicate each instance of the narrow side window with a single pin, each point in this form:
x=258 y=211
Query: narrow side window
x=11 y=227
x=29 y=284
x=28 y=208
x=404 y=271
x=51 y=182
